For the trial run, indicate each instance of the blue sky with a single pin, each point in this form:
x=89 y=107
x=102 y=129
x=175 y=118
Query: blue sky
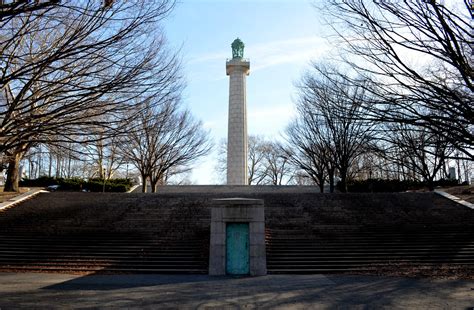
x=281 y=37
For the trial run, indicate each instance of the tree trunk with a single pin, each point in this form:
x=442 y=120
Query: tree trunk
x=39 y=166
x=458 y=163
x=331 y=180
x=69 y=165
x=143 y=183
x=58 y=167
x=153 y=184
x=331 y=183
x=31 y=168
x=50 y=163
x=430 y=184
x=321 y=184
x=343 y=174
x=12 y=183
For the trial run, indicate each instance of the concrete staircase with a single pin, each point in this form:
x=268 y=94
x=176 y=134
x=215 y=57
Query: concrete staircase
x=292 y=251
x=169 y=232
x=103 y=235
x=361 y=233
x=101 y=253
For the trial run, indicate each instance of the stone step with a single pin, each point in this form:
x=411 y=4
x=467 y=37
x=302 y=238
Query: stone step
x=372 y=234
x=367 y=260
x=99 y=250
x=100 y=244
x=344 y=269
x=358 y=264
x=376 y=252
x=201 y=257
x=392 y=239
x=65 y=250
x=105 y=256
x=116 y=263
x=104 y=241
x=105 y=270
x=355 y=247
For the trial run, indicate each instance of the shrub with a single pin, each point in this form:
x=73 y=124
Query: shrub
x=97 y=185
x=72 y=184
x=39 y=182
x=127 y=182
x=77 y=184
x=383 y=185
x=379 y=185
x=446 y=182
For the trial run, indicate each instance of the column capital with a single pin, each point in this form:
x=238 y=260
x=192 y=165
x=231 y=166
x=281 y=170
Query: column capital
x=239 y=64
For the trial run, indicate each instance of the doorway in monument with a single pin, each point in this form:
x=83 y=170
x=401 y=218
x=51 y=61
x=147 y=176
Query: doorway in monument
x=237 y=249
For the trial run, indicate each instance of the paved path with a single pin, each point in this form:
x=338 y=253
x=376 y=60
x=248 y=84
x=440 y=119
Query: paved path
x=58 y=291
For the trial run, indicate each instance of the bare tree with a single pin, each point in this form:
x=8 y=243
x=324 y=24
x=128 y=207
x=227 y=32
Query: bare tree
x=267 y=162
x=306 y=151
x=330 y=118
x=10 y=9
x=13 y=170
x=256 y=166
x=220 y=167
x=301 y=178
x=279 y=169
x=162 y=141
x=181 y=144
x=386 y=40
x=104 y=154
x=257 y=170
x=65 y=66
x=422 y=152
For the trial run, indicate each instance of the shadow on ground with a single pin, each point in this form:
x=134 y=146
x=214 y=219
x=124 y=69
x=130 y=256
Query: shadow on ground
x=114 y=282
x=195 y=291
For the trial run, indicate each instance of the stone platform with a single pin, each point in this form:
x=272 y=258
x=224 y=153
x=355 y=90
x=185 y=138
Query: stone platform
x=306 y=232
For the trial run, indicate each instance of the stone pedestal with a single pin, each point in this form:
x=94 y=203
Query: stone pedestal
x=237 y=210
x=237 y=69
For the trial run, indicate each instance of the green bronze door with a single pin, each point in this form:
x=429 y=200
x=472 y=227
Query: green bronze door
x=237 y=248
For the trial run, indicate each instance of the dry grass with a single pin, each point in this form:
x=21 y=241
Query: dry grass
x=465 y=192
x=4 y=196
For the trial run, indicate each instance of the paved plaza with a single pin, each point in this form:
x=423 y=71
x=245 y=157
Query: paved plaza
x=60 y=291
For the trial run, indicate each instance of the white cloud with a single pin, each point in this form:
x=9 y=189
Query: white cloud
x=210 y=57
x=267 y=54
x=299 y=50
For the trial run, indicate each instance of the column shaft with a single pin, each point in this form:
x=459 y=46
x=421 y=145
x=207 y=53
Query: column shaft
x=237 y=126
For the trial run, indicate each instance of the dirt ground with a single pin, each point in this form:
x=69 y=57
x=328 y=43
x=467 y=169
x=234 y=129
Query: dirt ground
x=465 y=192
x=8 y=195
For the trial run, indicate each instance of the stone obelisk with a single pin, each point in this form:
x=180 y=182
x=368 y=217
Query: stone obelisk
x=237 y=69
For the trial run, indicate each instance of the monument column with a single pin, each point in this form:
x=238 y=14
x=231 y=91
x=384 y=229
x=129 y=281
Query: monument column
x=237 y=69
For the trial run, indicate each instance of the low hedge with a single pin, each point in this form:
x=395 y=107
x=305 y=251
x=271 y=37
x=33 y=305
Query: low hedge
x=382 y=185
x=78 y=184
x=39 y=182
